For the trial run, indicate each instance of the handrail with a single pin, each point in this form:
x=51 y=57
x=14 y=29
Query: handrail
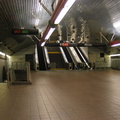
x=73 y=58
x=28 y=71
x=10 y=76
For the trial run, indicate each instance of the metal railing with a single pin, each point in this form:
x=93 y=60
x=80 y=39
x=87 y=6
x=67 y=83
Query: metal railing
x=18 y=66
x=115 y=64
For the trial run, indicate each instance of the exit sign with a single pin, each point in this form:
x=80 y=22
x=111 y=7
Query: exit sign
x=25 y=31
x=65 y=44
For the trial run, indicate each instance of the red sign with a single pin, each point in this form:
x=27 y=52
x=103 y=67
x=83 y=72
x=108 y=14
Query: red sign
x=25 y=31
x=65 y=44
x=17 y=31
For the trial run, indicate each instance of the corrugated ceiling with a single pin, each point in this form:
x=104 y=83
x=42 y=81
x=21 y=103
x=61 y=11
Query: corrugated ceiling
x=99 y=15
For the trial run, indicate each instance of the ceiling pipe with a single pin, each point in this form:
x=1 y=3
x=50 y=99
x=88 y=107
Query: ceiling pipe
x=45 y=8
x=59 y=7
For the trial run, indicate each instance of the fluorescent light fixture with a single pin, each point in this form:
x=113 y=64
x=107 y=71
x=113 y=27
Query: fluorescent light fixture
x=1 y=53
x=115 y=45
x=114 y=55
x=43 y=43
x=49 y=33
x=63 y=12
x=116 y=24
x=8 y=56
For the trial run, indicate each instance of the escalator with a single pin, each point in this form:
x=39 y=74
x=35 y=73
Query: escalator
x=41 y=58
x=75 y=58
x=82 y=57
x=67 y=55
x=63 y=58
x=70 y=62
x=56 y=59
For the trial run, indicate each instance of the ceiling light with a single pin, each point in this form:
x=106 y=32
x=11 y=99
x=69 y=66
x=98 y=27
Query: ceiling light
x=51 y=30
x=115 y=45
x=37 y=22
x=8 y=56
x=114 y=55
x=63 y=12
x=43 y=43
x=1 y=53
x=116 y=24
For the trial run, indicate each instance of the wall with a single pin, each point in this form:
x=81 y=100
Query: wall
x=100 y=62
x=2 y=63
x=115 y=61
x=20 y=56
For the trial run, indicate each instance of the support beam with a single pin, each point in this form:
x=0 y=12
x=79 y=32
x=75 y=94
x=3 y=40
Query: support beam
x=75 y=44
x=45 y=8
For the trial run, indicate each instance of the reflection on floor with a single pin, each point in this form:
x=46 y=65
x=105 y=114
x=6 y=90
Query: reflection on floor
x=63 y=95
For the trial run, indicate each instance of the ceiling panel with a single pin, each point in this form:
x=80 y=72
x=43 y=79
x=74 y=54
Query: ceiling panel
x=21 y=14
x=98 y=15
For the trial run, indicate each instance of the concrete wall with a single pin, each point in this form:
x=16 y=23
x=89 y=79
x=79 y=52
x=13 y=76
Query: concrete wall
x=20 y=56
x=115 y=61
x=100 y=62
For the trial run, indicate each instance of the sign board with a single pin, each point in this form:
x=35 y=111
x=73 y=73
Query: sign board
x=25 y=31
x=87 y=44
x=64 y=44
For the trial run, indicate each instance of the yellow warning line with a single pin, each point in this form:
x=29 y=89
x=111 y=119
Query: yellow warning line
x=54 y=52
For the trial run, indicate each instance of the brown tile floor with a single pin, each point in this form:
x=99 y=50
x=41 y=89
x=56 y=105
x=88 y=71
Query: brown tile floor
x=63 y=95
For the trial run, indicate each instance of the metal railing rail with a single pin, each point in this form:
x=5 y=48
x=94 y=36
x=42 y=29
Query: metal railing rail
x=18 y=66
x=28 y=71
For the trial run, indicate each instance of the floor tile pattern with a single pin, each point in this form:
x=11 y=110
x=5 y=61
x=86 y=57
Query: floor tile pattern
x=63 y=95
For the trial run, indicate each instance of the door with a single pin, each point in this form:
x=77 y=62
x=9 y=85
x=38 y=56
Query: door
x=30 y=58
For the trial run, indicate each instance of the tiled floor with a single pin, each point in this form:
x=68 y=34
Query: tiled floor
x=63 y=95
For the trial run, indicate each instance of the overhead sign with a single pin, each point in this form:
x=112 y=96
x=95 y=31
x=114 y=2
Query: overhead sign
x=88 y=44
x=75 y=45
x=25 y=31
x=65 y=44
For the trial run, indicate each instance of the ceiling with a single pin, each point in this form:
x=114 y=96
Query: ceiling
x=83 y=23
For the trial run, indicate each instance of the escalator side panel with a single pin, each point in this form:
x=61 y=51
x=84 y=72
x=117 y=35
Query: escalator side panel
x=67 y=55
x=41 y=58
x=84 y=58
x=78 y=54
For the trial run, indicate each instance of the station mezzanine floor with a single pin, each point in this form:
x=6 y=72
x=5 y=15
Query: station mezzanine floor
x=63 y=95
